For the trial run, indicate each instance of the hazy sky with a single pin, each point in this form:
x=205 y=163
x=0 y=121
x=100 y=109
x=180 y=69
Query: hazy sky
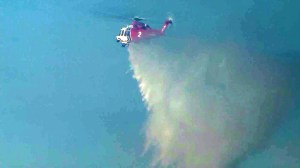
x=67 y=95
x=66 y=99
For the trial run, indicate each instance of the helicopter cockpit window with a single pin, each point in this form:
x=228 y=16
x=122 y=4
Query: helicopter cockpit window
x=121 y=33
x=124 y=32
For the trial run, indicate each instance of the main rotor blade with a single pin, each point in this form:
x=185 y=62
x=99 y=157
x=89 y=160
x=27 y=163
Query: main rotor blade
x=124 y=17
x=136 y=18
x=101 y=14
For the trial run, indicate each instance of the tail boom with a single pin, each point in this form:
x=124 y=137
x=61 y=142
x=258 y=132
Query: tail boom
x=165 y=25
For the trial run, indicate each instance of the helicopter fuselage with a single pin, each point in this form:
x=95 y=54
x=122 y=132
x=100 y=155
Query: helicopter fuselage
x=138 y=31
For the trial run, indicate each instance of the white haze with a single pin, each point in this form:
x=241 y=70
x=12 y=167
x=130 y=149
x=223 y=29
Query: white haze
x=208 y=105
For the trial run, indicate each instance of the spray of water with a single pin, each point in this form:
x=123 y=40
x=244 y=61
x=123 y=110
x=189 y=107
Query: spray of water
x=208 y=105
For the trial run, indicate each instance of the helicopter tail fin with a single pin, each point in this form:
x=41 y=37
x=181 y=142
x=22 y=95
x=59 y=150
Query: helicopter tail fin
x=166 y=24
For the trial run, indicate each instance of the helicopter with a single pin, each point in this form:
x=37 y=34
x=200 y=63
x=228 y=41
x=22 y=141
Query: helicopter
x=139 y=31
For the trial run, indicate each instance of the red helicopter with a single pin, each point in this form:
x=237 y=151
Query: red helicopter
x=138 y=31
